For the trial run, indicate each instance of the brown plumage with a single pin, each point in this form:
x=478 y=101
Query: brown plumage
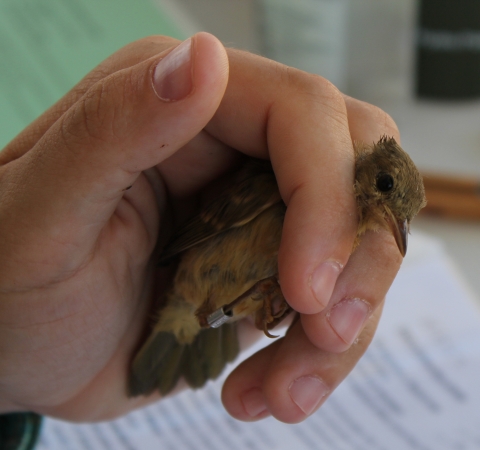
x=228 y=264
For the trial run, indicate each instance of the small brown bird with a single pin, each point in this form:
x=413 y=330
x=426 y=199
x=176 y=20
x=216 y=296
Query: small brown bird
x=228 y=264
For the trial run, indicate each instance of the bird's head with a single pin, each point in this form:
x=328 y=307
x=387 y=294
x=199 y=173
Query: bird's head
x=388 y=189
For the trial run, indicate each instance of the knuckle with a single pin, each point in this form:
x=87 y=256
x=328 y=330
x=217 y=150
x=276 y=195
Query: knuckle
x=95 y=112
x=390 y=125
x=101 y=114
x=368 y=113
x=313 y=85
x=99 y=73
x=316 y=89
x=382 y=117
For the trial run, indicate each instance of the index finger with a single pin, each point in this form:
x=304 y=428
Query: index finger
x=300 y=121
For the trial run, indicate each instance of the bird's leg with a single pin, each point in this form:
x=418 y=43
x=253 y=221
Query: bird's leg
x=273 y=310
x=225 y=313
x=205 y=310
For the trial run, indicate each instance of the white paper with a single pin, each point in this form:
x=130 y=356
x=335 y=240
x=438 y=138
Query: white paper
x=416 y=387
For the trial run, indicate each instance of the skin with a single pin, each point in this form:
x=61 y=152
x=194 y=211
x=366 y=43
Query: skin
x=76 y=281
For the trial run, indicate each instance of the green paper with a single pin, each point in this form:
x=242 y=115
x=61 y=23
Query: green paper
x=47 y=46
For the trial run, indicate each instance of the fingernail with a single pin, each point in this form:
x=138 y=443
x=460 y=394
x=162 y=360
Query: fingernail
x=347 y=318
x=308 y=392
x=323 y=279
x=172 y=78
x=254 y=403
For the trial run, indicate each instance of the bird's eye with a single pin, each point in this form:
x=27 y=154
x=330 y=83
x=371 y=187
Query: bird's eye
x=384 y=182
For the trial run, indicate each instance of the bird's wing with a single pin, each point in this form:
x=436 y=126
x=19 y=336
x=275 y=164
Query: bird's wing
x=254 y=192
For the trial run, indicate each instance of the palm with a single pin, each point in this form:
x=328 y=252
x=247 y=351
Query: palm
x=101 y=305
x=85 y=313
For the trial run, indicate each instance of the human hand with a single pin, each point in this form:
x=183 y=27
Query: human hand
x=76 y=278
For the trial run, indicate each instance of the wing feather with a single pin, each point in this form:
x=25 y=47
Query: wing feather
x=255 y=190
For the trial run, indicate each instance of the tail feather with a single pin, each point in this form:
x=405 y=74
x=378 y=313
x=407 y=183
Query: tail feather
x=162 y=360
x=149 y=361
x=230 y=347
x=169 y=372
x=194 y=367
x=213 y=344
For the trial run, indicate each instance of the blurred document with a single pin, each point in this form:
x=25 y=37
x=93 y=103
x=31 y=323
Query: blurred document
x=416 y=387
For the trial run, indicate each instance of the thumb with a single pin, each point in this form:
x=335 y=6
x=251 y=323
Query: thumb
x=68 y=185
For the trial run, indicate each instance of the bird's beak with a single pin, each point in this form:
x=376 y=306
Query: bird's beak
x=399 y=230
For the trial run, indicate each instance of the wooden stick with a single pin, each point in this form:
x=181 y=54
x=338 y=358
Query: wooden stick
x=452 y=196
x=443 y=182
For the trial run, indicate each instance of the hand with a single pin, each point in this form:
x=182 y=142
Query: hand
x=86 y=187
